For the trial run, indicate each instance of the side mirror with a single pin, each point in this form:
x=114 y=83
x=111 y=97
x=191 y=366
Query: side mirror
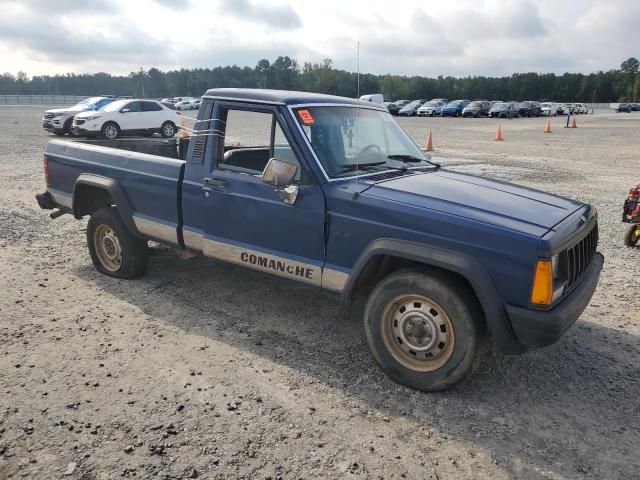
x=281 y=174
x=278 y=173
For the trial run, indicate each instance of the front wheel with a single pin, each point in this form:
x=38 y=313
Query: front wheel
x=425 y=329
x=168 y=129
x=114 y=251
x=632 y=236
x=110 y=131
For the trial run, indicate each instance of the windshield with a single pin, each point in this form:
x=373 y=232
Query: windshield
x=87 y=102
x=455 y=103
x=474 y=104
x=117 y=105
x=415 y=103
x=351 y=141
x=499 y=105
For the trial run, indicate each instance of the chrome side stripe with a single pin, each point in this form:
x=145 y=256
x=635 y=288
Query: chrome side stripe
x=156 y=230
x=283 y=267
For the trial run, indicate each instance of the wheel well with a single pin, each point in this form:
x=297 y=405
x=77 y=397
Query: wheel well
x=110 y=122
x=379 y=266
x=88 y=198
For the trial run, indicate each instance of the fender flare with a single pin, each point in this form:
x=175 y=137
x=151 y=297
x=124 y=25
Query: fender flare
x=466 y=266
x=118 y=198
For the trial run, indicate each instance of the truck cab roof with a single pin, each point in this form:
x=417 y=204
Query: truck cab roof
x=282 y=97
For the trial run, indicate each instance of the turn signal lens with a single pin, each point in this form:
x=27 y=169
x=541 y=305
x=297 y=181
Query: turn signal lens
x=542 y=288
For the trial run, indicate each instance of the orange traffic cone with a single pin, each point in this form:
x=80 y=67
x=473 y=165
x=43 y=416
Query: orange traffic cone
x=573 y=123
x=499 y=134
x=547 y=129
x=428 y=146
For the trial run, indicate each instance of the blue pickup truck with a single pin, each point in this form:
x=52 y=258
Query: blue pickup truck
x=331 y=192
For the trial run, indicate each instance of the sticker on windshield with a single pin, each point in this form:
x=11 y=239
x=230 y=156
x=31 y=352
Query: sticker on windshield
x=306 y=117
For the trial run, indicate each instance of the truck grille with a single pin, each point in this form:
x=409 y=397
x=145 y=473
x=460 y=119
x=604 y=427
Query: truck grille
x=578 y=257
x=79 y=122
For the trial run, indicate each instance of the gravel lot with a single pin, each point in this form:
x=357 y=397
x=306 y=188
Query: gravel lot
x=202 y=369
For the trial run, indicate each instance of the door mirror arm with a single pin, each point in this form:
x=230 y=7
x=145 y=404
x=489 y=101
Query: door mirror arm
x=280 y=174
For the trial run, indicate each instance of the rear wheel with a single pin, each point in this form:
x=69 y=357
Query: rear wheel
x=114 y=251
x=632 y=236
x=426 y=330
x=110 y=131
x=168 y=129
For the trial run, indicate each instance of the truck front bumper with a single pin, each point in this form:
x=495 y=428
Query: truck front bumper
x=539 y=328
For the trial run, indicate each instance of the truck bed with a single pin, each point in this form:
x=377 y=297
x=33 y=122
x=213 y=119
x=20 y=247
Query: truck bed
x=152 y=182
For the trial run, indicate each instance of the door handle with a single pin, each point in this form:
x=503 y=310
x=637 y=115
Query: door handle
x=215 y=182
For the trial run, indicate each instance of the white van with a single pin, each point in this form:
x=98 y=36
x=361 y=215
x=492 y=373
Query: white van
x=373 y=98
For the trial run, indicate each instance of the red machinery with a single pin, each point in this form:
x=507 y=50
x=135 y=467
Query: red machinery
x=631 y=215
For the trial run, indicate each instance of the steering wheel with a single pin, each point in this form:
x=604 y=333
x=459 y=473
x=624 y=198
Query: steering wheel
x=369 y=148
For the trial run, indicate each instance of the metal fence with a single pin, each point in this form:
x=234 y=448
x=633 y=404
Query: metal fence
x=40 y=99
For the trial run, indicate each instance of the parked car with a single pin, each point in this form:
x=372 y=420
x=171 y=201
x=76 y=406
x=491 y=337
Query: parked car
x=411 y=109
x=60 y=120
x=431 y=108
x=392 y=107
x=635 y=107
x=623 y=107
x=477 y=108
x=444 y=260
x=186 y=104
x=580 y=109
x=548 y=109
x=502 y=110
x=144 y=117
x=196 y=103
x=528 y=108
x=402 y=103
x=373 y=97
x=454 y=109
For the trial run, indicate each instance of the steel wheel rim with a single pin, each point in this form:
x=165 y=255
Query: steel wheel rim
x=110 y=131
x=108 y=249
x=417 y=332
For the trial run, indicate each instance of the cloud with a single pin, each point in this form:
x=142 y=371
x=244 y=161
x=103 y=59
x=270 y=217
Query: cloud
x=413 y=37
x=278 y=16
x=174 y=4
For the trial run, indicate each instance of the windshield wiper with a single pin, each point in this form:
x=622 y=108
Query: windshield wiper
x=360 y=166
x=411 y=159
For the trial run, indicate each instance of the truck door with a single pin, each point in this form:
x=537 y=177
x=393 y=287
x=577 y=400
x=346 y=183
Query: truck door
x=245 y=221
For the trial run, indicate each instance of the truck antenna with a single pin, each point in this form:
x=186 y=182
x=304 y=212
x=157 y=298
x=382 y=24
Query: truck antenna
x=355 y=193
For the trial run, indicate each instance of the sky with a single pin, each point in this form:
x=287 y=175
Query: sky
x=408 y=37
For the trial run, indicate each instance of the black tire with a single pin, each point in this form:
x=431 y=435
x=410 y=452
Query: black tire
x=134 y=255
x=446 y=363
x=59 y=134
x=168 y=129
x=110 y=131
x=67 y=126
x=632 y=236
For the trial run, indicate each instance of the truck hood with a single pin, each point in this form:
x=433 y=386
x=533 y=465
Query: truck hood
x=66 y=110
x=479 y=199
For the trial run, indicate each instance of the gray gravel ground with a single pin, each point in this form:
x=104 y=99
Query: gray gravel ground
x=202 y=369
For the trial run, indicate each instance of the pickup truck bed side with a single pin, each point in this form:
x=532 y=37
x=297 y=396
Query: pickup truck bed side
x=147 y=185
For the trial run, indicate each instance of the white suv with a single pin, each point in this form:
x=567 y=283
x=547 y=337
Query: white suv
x=144 y=117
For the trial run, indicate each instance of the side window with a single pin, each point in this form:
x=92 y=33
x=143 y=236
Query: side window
x=250 y=140
x=150 y=107
x=133 y=106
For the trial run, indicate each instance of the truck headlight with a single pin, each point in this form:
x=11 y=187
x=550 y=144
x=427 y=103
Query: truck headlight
x=93 y=117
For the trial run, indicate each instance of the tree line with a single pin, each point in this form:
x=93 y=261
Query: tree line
x=620 y=85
